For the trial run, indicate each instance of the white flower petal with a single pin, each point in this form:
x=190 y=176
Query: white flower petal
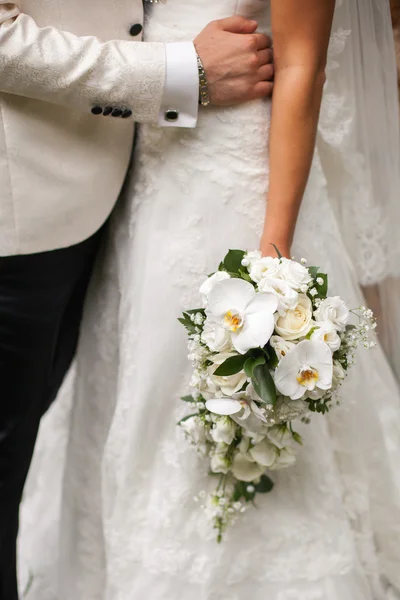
x=230 y=294
x=264 y=453
x=223 y=406
x=246 y=470
x=255 y=333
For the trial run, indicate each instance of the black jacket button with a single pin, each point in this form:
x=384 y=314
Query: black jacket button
x=117 y=112
x=171 y=115
x=107 y=111
x=97 y=110
x=126 y=114
x=136 y=29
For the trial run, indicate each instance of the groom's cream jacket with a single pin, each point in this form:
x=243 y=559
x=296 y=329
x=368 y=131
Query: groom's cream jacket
x=73 y=80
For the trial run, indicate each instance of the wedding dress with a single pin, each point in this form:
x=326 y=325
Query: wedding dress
x=130 y=529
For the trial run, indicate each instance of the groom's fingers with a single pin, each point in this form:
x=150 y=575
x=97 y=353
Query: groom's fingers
x=265 y=57
x=237 y=24
x=266 y=73
x=261 y=41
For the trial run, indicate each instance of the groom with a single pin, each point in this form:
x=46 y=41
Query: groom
x=73 y=80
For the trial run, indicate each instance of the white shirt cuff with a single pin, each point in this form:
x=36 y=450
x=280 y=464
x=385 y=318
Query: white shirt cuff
x=180 y=103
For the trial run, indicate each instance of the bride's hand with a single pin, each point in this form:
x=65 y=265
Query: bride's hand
x=267 y=247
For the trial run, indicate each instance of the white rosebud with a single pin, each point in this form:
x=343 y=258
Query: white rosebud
x=264 y=267
x=219 y=464
x=296 y=275
x=250 y=489
x=251 y=257
x=314 y=292
x=334 y=310
x=194 y=428
x=287 y=296
x=320 y=281
x=224 y=430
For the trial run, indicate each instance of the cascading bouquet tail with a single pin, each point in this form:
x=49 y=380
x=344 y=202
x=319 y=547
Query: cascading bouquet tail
x=268 y=348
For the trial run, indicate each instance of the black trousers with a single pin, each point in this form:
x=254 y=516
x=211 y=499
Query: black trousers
x=41 y=302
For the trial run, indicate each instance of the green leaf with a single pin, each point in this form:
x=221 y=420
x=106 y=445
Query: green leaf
x=297 y=438
x=188 y=399
x=233 y=260
x=240 y=491
x=252 y=363
x=231 y=366
x=187 y=323
x=244 y=275
x=264 y=384
x=221 y=267
x=187 y=418
x=277 y=252
x=322 y=289
x=313 y=271
x=309 y=334
x=265 y=486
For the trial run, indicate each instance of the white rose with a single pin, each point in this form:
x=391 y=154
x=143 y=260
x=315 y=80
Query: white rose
x=280 y=435
x=295 y=274
x=209 y=283
x=245 y=469
x=230 y=384
x=326 y=332
x=224 y=430
x=216 y=337
x=334 y=310
x=219 y=464
x=194 y=427
x=282 y=347
x=286 y=458
x=264 y=267
x=286 y=295
x=297 y=322
x=339 y=374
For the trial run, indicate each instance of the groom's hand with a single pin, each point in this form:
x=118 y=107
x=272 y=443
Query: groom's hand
x=238 y=62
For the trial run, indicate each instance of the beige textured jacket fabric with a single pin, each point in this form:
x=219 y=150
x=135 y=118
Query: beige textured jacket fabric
x=62 y=167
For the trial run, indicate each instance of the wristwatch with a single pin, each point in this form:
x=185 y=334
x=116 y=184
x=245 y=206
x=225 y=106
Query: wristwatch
x=204 y=93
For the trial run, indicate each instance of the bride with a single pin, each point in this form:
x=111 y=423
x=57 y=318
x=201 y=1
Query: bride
x=330 y=530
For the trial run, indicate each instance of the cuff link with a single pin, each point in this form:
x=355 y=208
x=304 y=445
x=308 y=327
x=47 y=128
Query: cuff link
x=171 y=115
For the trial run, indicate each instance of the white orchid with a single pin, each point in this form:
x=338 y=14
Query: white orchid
x=281 y=346
x=209 y=283
x=307 y=367
x=327 y=332
x=334 y=310
x=234 y=305
x=287 y=296
x=242 y=409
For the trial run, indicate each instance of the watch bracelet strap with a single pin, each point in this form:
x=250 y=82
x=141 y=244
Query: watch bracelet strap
x=204 y=93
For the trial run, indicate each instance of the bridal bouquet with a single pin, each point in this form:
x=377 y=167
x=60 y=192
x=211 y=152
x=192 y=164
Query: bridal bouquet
x=269 y=347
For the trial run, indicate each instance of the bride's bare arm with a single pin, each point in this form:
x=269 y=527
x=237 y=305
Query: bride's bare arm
x=300 y=32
